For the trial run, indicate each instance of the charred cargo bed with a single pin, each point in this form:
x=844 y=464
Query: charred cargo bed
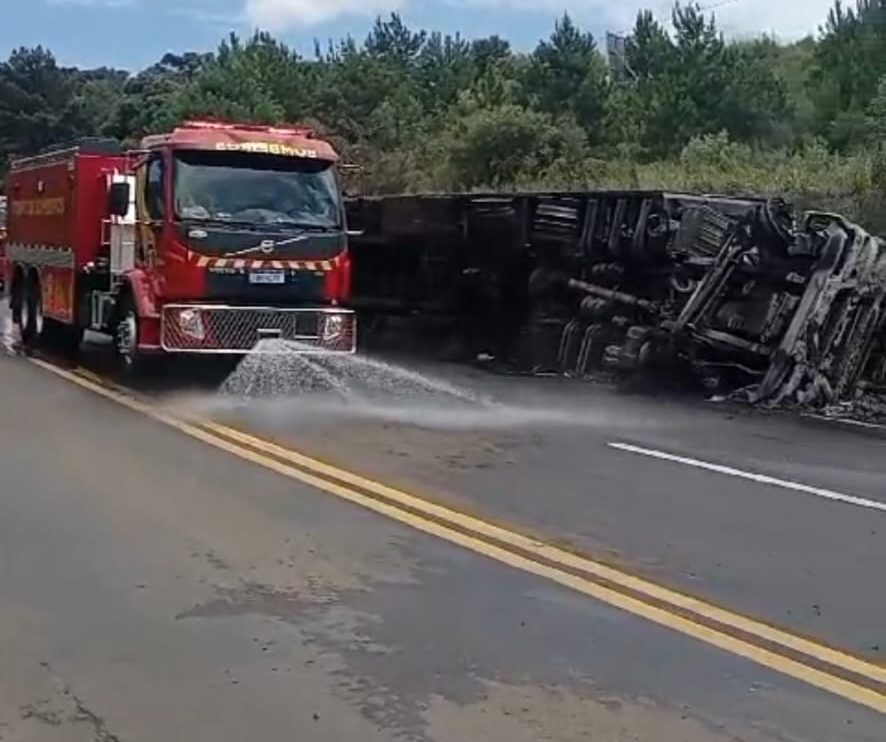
x=738 y=293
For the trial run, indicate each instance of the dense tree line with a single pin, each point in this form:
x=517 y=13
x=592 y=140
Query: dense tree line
x=422 y=110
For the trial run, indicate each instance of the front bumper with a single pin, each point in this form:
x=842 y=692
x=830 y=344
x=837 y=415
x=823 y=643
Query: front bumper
x=236 y=330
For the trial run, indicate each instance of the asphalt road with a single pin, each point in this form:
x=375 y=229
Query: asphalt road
x=159 y=582
x=541 y=459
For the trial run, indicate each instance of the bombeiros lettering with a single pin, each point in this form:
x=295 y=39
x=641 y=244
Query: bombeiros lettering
x=266 y=148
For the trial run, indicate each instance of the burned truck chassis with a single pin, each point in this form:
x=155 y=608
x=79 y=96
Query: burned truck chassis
x=734 y=293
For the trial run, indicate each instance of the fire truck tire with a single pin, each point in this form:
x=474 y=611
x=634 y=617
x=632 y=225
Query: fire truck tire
x=16 y=296
x=126 y=329
x=31 y=320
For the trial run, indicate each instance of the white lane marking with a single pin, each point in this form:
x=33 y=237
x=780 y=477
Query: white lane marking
x=847 y=421
x=861 y=502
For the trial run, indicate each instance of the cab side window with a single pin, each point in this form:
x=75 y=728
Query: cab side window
x=154 y=188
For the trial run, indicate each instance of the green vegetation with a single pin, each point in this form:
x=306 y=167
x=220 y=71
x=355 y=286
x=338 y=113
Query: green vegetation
x=422 y=111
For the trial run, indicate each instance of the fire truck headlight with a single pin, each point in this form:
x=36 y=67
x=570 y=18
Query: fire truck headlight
x=333 y=327
x=191 y=323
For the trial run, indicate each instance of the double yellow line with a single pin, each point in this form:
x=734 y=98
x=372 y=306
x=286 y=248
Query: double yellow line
x=830 y=669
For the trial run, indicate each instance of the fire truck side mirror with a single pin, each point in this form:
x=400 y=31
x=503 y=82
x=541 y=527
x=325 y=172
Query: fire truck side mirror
x=118 y=199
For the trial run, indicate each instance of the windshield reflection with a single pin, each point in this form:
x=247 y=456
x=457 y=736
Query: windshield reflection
x=246 y=188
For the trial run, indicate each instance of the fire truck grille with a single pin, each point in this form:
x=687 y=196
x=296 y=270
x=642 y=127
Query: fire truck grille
x=190 y=328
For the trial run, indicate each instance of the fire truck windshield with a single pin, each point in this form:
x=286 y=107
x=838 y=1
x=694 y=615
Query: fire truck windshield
x=256 y=189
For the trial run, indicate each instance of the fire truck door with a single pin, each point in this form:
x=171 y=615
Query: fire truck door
x=150 y=209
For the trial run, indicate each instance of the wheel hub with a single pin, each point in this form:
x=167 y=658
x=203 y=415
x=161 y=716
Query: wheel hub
x=24 y=314
x=38 y=315
x=30 y=313
x=127 y=338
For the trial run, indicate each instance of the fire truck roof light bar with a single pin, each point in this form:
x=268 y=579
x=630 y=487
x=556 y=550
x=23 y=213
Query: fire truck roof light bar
x=302 y=131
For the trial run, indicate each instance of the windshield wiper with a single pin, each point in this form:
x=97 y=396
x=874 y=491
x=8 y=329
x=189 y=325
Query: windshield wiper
x=222 y=222
x=308 y=226
x=275 y=225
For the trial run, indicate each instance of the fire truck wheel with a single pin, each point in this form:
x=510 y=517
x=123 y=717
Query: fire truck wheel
x=31 y=320
x=126 y=338
x=16 y=296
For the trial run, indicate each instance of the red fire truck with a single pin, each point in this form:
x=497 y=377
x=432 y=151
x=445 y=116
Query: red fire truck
x=207 y=239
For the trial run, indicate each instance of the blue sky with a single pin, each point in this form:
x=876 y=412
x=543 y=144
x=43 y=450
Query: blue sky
x=134 y=33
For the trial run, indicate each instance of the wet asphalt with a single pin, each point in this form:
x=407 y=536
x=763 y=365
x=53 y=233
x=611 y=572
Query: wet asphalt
x=540 y=458
x=153 y=587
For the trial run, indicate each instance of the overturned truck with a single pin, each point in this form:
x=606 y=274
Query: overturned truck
x=735 y=293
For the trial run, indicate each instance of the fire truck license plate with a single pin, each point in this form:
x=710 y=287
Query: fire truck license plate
x=267 y=277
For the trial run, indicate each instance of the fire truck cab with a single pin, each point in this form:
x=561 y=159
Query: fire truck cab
x=208 y=239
